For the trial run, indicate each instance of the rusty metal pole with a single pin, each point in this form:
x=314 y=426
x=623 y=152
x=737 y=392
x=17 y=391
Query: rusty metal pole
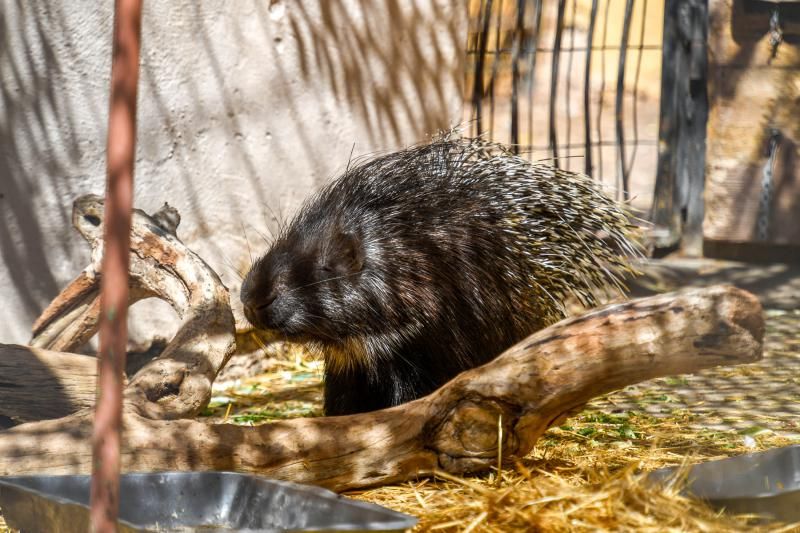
x=120 y=153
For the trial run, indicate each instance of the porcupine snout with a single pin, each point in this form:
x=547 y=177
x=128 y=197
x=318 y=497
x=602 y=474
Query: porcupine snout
x=266 y=300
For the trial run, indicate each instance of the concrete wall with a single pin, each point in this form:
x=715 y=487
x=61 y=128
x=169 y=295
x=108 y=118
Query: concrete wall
x=244 y=107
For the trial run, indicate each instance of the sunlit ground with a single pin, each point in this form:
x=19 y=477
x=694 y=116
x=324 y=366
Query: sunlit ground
x=582 y=476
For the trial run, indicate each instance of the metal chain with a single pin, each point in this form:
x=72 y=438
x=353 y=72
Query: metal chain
x=762 y=224
x=775 y=32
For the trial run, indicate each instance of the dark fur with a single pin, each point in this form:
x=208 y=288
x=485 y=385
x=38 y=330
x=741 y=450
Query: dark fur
x=419 y=264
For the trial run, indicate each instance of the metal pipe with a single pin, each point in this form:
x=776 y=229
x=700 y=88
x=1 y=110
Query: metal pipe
x=520 y=28
x=635 y=113
x=537 y=26
x=495 y=66
x=602 y=92
x=622 y=170
x=554 y=80
x=568 y=88
x=121 y=149
x=477 y=92
x=587 y=85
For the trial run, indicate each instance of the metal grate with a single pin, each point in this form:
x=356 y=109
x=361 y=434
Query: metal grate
x=574 y=81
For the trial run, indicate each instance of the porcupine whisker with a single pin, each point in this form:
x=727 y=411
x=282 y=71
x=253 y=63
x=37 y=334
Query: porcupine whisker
x=235 y=271
x=316 y=329
x=344 y=276
x=246 y=240
x=259 y=342
x=229 y=265
x=267 y=240
x=318 y=317
x=278 y=220
x=350 y=159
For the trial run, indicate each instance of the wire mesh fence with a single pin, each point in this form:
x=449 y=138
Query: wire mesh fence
x=573 y=81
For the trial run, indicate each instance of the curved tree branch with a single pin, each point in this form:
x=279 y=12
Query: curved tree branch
x=531 y=385
x=176 y=384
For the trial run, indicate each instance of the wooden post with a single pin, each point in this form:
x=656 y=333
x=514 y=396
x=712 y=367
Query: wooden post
x=120 y=155
x=677 y=210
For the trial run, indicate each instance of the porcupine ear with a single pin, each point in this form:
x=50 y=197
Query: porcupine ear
x=346 y=254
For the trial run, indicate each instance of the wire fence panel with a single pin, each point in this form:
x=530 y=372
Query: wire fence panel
x=575 y=82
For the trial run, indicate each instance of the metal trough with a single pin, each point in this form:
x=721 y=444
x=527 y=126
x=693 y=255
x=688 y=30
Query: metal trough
x=191 y=501
x=765 y=483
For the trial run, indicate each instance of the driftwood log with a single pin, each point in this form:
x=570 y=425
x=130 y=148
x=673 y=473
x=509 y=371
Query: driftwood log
x=177 y=383
x=454 y=429
x=527 y=388
x=37 y=384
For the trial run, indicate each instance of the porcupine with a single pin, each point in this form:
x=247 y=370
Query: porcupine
x=416 y=265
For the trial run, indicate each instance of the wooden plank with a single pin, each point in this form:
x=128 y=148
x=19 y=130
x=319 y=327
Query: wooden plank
x=678 y=199
x=752 y=96
x=738 y=34
x=692 y=141
x=664 y=215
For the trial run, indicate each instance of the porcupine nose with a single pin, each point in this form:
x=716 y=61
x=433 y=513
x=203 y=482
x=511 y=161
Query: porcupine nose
x=259 y=311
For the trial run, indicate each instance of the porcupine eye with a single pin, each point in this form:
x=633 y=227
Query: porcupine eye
x=345 y=256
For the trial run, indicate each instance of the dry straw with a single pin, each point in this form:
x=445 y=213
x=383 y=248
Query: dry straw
x=583 y=476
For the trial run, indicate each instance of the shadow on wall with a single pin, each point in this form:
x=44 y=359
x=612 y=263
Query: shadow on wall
x=34 y=118
x=214 y=77
x=412 y=52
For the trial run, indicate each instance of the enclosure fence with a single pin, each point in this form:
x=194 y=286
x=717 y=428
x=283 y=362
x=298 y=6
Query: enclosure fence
x=573 y=81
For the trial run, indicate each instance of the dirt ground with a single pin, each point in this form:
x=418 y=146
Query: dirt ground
x=750 y=399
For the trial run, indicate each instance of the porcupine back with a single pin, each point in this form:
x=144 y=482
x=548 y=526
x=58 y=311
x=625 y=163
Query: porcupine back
x=443 y=255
